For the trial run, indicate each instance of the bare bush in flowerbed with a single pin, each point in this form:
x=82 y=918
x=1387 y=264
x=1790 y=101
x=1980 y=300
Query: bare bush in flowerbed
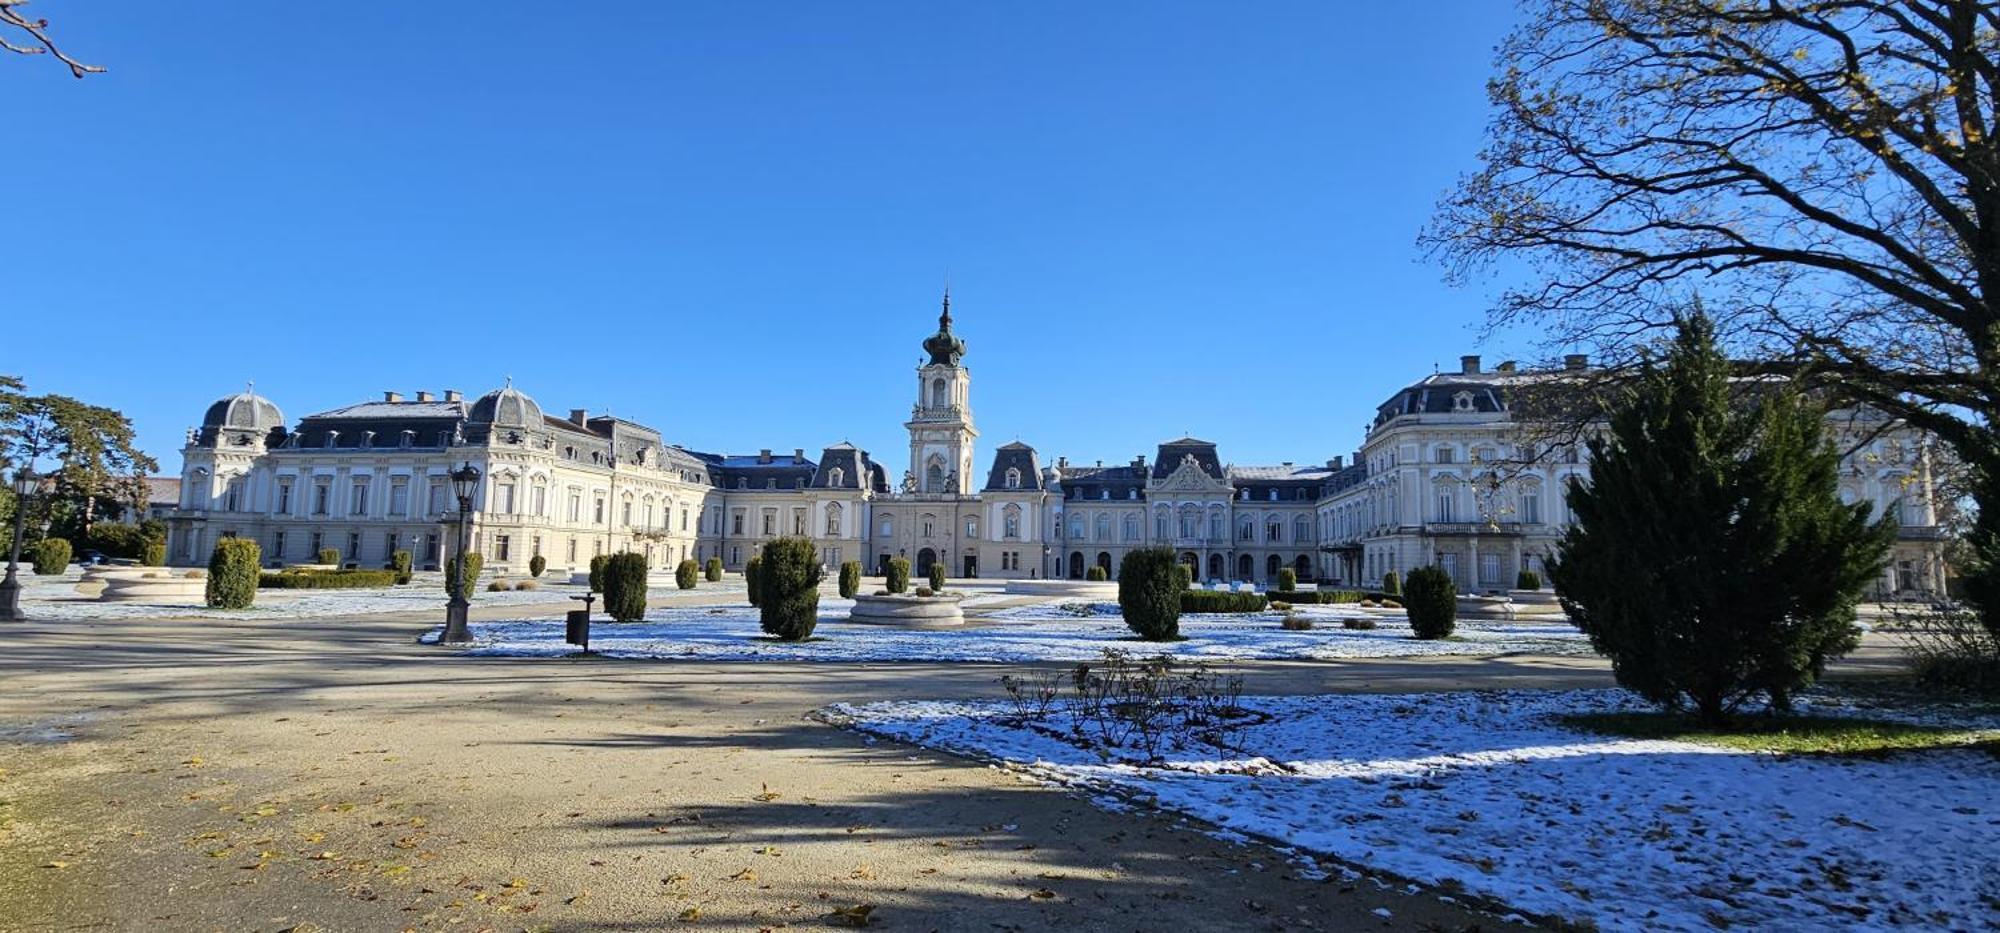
x=1131 y=707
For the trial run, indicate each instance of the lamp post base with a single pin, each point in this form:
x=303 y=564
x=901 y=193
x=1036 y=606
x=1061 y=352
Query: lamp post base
x=10 y=600
x=455 y=630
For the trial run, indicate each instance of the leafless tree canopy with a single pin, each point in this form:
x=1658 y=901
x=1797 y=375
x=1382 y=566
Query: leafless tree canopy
x=1821 y=172
x=14 y=24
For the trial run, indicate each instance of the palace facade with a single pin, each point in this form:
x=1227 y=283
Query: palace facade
x=1445 y=476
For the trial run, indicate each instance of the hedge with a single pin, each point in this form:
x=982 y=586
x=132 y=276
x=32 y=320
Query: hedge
x=850 y=579
x=1147 y=588
x=686 y=575
x=625 y=586
x=326 y=579
x=233 y=574
x=789 y=577
x=1324 y=597
x=51 y=556
x=1219 y=601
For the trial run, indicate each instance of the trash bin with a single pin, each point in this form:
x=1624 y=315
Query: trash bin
x=576 y=628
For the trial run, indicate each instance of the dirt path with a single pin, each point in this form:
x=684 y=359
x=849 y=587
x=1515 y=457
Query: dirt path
x=335 y=775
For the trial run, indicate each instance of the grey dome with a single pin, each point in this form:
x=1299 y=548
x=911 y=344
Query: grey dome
x=245 y=411
x=506 y=407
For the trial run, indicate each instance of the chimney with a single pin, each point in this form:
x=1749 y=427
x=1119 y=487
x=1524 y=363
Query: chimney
x=1506 y=367
x=1285 y=463
x=392 y=396
x=764 y=456
x=798 y=455
x=1334 y=464
x=579 y=416
x=423 y=396
x=1576 y=361
x=1469 y=365
x=451 y=395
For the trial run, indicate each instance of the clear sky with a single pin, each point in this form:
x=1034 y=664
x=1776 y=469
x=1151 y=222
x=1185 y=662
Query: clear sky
x=731 y=221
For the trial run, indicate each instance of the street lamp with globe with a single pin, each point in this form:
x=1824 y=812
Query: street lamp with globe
x=464 y=481
x=25 y=483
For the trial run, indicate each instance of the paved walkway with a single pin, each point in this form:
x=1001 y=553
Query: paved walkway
x=334 y=774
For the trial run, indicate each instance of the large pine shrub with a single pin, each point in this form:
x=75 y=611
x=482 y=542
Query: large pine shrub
x=625 y=586
x=51 y=556
x=850 y=579
x=400 y=562
x=1432 y=601
x=789 y=576
x=1711 y=558
x=687 y=574
x=1149 y=593
x=232 y=573
x=597 y=562
x=1392 y=585
x=899 y=576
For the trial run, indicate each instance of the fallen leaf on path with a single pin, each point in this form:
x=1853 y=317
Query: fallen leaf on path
x=855 y=916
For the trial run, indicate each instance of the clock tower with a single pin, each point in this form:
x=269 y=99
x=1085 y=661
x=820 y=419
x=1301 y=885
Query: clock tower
x=941 y=432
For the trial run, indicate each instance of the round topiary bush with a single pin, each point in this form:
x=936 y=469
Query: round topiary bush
x=1149 y=593
x=789 y=577
x=155 y=554
x=752 y=579
x=1096 y=574
x=713 y=570
x=233 y=574
x=400 y=562
x=1391 y=584
x=1432 y=601
x=899 y=575
x=597 y=562
x=537 y=564
x=1288 y=580
x=937 y=576
x=51 y=556
x=474 y=562
x=625 y=586
x=1528 y=580
x=850 y=579
x=686 y=574
x=328 y=555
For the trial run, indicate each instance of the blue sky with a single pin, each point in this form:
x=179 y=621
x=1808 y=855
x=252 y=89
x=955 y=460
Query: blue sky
x=731 y=221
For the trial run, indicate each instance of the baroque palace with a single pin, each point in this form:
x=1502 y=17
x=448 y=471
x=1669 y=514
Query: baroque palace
x=1445 y=476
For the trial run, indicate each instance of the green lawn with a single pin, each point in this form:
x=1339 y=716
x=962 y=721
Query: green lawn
x=1796 y=735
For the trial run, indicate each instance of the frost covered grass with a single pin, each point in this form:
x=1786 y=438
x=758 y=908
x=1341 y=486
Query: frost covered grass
x=1794 y=735
x=1045 y=632
x=1493 y=796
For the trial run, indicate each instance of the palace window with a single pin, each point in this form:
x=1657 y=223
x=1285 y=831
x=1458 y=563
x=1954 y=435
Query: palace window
x=625 y=513
x=1445 y=512
x=798 y=521
x=888 y=527
x=1446 y=455
x=1245 y=531
x=1010 y=522
x=502 y=545
x=1131 y=528
x=1013 y=478
x=284 y=498
x=836 y=477
x=1275 y=531
x=770 y=523
x=399 y=496
x=597 y=515
x=575 y=508
x=833 y=519
x=930 y=525
x=358 y=502
x=1461 y=402
x=322 y=491
x=436 y=494
x=505 y=493
x=538 y=499
x=1531 y=508
x=972 y=529
x=1103 y=527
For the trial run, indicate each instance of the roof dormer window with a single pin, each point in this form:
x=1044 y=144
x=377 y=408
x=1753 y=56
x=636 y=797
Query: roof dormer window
x=1013 y=478
x=1461 y=402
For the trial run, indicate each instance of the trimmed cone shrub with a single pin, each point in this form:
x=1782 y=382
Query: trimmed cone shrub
x=625 y=587
x=899 y=575
x=537 y=564
x=1096 y=574
x=1527 y=580
x=850 y=579
x=937 y=577
x=1392 y=585
x=1183 y=577
x=1432 y=601
x=328 y=555
x=401 y=563
x=155 y=554
x=789 y=577
x=1149 y=593
x=51 y=556
x=686 y=574
x=713 y=570
x=597 y=562
x=232 y=573
x=752 y=577
x=474 y=562
x=1288 y=580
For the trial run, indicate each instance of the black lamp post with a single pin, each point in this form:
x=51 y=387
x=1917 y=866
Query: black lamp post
x=25 y=482
x=464 y=481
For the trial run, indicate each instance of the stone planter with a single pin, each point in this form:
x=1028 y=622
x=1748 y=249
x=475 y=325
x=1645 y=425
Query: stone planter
x=185 y=591
x=1063 y=589
x=1485 y=607
x=1534 y=599
x=908 y=611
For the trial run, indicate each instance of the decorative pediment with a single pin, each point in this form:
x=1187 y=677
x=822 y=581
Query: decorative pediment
x=1190 y=477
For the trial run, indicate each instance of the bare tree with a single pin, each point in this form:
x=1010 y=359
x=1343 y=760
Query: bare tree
x=1822 y=172
x=37 y=31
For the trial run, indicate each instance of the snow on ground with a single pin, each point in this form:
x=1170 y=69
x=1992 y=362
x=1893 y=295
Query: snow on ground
x=1486 y=792
x=1022 y=634
x=56 y=599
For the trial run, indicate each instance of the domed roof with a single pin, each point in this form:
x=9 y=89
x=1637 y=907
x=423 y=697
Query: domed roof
x=245 y=410
x=506 y=406
x=944 y=346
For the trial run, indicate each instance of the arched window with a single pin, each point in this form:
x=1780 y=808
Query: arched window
x=1274 y=530
x=1010 y=521
x=836 y=477
x=1013 y=478
x=1103 y=526
x=1301 y=530
x=833 y=518
x=888 y=526
x=1161 y=520
x=1190 y=523
x=1131 y=527
x=938 y=399
x=1246 y=530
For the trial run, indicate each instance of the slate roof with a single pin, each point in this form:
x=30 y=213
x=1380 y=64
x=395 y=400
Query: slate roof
x=372 y=411
x=852 y=462
x=1018 y=456
x=1172 y=452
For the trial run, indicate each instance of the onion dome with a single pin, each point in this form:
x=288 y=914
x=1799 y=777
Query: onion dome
x=244 y=411
x=506 y=407
x=944 y=346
